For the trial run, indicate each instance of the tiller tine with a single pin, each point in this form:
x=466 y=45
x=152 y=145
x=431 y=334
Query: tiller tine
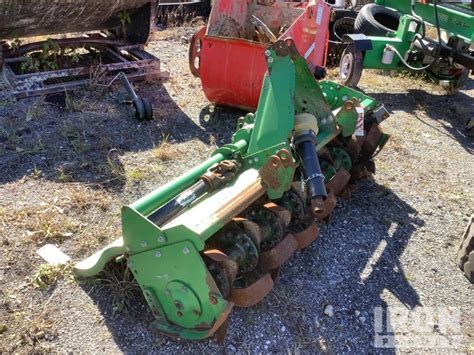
x=372 y=141
x=283 y=214
x=339 y=181
x=308 y=236
x=253 y=294
x=277 y=256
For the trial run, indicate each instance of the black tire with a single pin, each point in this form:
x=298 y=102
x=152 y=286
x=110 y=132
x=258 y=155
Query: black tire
x=351 y=66
x=139 y=109
x=341 y=27
x=376 y=20
x=465 y=256
x=148 y=108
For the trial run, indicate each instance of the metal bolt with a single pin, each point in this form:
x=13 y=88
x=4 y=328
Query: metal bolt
x=345 y=98
x=270 y=60
x=256 y=159
x=158 y=254
x=268 y=53
x=143 y=244
x=161 y=239
x=185 y=250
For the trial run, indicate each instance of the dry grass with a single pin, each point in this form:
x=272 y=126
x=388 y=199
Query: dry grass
x=40 y=225
x=118 y=282
x=165 y=151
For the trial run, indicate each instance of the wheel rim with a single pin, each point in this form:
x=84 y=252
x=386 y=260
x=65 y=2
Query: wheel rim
x=346 y=66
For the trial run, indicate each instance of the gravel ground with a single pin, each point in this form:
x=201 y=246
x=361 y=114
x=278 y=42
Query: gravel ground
x=392 y=245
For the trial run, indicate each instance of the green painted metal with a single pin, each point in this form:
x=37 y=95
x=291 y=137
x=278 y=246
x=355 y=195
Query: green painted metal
x=456 y=19
x=402 y=41
x=166 y=260
x=181 y=294
x=151 y=202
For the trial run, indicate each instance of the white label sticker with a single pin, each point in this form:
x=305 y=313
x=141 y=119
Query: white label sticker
x=360 y=122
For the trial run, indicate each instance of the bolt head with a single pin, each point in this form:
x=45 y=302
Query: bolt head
x=143 y=244
x=161 y=239
x=158 y=254
x=270 y=60
x=268 y=53
x=185 y=250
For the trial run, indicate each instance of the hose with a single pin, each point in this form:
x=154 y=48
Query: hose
x=405 y=63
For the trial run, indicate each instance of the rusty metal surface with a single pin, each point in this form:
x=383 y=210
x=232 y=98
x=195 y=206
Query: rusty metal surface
x=371 y=141
x=275 y=257
x=252 y=229
x=26 y=18
x=227 y=267
x=339 y=181
x=283 y=214
x=271 y=173
x=329 y=205
x=139 y=65
x=253 y=294
x=308 y=236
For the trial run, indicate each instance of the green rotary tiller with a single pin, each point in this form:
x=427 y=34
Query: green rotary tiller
x=216 y=237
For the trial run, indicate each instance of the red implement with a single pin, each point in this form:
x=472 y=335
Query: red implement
x=228 y=54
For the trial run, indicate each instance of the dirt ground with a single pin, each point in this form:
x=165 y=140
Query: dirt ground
x=67 y=165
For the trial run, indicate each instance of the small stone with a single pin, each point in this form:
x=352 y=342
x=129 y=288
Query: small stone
x=357 y=313
x=230 y=349
x=283 y=329
x=39 y=335
x=362 y=319
x=268 y=342
x=329 y=310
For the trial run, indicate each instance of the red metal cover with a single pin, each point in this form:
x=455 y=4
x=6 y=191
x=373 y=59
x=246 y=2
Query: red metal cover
x=229 y=58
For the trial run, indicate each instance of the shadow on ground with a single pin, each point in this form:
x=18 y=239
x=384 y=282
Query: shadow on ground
x=353 y=263
x=78 y=137
x=452 y=112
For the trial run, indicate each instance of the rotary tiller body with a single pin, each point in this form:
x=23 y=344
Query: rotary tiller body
x=228 y=54
x=216 y=237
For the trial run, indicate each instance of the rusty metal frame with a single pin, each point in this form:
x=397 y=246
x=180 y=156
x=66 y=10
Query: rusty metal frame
x=130 y=59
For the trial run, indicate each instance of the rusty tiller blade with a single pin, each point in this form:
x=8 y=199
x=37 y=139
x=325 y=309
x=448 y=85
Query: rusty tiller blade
x=222 y=332
x=252 y=229
x=329 y=205
x=253 y=294
x=372 y=141
x=227 y=265
x=283 y=214
x=275 y=257
x=308 y=236
x=354 y=147
x=339 y=181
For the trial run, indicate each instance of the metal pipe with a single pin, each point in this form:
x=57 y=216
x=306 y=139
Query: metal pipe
x=154 y=200
x=183 y=200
